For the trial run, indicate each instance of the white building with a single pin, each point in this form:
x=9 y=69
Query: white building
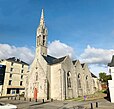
x=111 y=82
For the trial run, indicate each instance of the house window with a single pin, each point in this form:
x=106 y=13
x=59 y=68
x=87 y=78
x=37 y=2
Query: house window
x=11 y=69
x=22 y=65
x=21 y=82
x=21 y=71
x=21 y=76
x=109 y=70
x=69 y=80
x=10 y=82
x=11 y=63
x=10 y=75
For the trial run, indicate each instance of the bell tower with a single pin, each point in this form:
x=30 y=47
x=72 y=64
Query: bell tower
x=41 y=37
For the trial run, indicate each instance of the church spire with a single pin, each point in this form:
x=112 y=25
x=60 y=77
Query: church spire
x=42 y=22
x=41 y=37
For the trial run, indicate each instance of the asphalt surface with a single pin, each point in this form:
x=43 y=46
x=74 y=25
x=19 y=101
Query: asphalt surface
x=22 y=104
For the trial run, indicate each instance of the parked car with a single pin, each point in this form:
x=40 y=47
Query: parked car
x=7 y=106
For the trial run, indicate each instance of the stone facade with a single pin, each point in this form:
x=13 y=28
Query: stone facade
x=14 y=80
x=56 y=78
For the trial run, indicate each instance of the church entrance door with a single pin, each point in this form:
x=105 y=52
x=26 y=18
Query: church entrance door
x=35 y=93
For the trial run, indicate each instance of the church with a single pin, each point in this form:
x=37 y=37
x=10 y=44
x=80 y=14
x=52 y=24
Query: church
x=56 y=78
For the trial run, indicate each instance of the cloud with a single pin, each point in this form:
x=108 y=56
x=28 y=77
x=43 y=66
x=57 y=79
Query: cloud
x=96 y=58
x=93 y=55
x=58 y=49
x=96 y=69
x=24 y=53
x=55 y=48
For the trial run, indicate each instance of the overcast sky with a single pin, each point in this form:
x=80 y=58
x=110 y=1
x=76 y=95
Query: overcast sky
x=83 y=29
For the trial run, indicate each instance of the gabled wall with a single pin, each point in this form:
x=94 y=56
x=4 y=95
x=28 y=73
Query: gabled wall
x=87 y=80
x=79 y=71
x=39 y=66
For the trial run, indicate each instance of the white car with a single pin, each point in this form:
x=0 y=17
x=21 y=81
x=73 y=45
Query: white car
x=7 y=106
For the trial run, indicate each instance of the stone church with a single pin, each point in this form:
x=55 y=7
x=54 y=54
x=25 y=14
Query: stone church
x=56 y=78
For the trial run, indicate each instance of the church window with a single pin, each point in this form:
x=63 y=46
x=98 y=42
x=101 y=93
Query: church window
x=43 y=39
x=86 y=77
x=87 y=85
x=79 y=81
x=69 y=80
x=78 y=76
x=43 y=42
x=36 y=76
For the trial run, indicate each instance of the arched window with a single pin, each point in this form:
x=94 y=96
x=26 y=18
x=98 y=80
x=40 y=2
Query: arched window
x=87 y=77
x=69 y=80
x=43 y=39
x=36 y=76
x=87 y=85
x=79 y=81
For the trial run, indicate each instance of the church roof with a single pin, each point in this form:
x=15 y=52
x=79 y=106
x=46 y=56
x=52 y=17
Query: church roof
x=52 y=60
x=93 y=75
x=16 y=60
x=112 y=62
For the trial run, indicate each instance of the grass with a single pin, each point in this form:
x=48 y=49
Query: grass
x=95 y=96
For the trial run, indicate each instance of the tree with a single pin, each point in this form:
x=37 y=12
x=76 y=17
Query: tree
x=103 y=77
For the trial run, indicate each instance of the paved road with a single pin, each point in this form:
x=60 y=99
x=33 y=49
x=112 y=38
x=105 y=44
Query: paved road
x=103 y=104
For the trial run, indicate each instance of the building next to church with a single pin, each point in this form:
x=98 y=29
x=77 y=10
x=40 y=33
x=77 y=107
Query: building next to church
x=96 y=83
x=56 y=78
x=111 y=82
x=13 y=73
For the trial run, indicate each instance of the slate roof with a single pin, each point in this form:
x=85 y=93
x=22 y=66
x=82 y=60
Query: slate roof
x=112 y=62
x=93 y=75
x=74 y=62
x=16 y=60
x=52 y=60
